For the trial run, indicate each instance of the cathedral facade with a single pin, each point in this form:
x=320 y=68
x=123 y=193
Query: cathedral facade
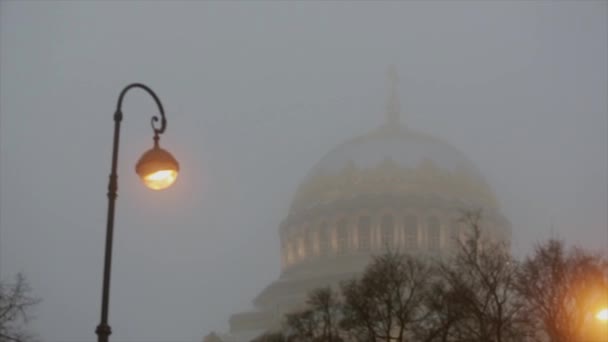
x=392 y=189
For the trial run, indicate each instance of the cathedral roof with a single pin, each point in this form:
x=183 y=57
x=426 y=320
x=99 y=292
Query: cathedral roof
x=405 y=147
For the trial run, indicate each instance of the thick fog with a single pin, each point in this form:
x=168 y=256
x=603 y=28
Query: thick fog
x=255 y=94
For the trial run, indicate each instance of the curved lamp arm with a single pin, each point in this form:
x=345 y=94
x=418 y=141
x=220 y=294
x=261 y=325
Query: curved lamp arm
x=163 y=121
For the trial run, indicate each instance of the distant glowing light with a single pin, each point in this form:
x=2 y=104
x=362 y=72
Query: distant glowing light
x=602 y=315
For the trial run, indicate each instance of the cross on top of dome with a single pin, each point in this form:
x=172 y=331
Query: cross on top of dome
x=393 y=107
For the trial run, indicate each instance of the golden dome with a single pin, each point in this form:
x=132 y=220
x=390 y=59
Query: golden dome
x=393 y=160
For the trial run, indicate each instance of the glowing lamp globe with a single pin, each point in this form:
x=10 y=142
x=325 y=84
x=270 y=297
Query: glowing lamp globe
x=157 y=168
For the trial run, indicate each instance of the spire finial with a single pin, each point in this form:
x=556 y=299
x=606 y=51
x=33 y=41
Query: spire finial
x=393 y=107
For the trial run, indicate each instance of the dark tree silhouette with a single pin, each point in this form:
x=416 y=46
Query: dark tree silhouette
x=562 y=290
x=271 y=337
x=386 y=303
x=319 y=321
x=473 y=296
x=478 y=294
x=16 y=302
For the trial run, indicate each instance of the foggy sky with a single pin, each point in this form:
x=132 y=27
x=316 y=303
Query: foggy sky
x=255 y=94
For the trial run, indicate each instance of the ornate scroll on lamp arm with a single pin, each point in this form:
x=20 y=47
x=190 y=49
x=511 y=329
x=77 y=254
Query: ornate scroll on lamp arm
x=153 y=163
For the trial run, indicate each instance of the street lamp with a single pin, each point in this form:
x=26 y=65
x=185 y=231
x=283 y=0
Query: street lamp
x=158 y=170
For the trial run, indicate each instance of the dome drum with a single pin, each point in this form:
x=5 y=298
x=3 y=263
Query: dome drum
x=373 y=226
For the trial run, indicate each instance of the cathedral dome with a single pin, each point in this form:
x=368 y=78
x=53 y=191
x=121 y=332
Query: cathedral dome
x=393 y=160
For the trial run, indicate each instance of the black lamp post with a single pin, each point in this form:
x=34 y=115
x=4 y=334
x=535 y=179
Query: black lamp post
x=157 y=169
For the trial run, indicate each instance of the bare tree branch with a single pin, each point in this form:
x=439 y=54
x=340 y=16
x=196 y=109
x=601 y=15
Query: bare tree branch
x=15 y=303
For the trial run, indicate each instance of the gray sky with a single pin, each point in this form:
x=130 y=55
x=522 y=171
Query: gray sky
x=255 y=94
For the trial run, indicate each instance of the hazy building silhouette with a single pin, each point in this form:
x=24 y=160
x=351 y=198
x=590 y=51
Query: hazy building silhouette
x=393 y=188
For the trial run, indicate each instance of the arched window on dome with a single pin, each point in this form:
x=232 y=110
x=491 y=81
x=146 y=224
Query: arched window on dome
x=387 y=231
x=410 y=232
x=434 y=233
x=323 y=239
x=342 y=236
x=364 y=233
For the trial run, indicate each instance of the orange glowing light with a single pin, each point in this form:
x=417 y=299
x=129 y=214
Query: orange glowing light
x=602 y=315
x=157 y=168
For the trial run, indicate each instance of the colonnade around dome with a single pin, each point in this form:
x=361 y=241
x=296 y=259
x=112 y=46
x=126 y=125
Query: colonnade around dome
x=408 y=230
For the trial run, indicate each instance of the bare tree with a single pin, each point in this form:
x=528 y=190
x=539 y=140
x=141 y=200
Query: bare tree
x=445 y=305
x=561 y=290
x=15 y=303
x=271 y=337
x=387 y=302
x=319 y=321
x=473 y=297
x=479 y=294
